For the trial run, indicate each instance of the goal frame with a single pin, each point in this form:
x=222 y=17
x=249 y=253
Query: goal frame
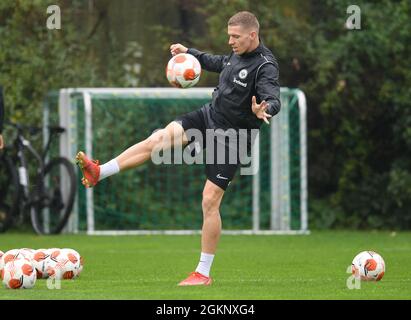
x=279 y=217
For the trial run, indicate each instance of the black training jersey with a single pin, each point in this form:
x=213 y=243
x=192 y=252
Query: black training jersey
x=241 y=77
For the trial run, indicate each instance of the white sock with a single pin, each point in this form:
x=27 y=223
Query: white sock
x=108 y=169
x=204 y=266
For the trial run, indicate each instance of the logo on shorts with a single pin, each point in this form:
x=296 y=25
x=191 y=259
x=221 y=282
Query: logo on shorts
x=219 y=176
x=243 y=74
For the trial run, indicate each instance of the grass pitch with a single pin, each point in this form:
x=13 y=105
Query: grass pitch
x=245 y=267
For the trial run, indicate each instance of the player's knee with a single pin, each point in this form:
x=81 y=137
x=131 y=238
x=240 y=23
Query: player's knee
x=209 y=204
x=156 y=140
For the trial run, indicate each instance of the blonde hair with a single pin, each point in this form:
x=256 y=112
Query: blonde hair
x=245 y=19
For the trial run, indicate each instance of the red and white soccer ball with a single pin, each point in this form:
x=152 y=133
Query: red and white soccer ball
x=19 y=274
x=14 y=254
x=27 y=252
x=1 y=263
x=62 y=264
x=368 y=266
x=183 y=70
x=76 y=259
x=39 y=261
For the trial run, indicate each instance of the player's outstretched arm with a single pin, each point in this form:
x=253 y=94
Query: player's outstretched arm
x=177 y=48
x=260 y=110
x=209 y=62
x=268 y=88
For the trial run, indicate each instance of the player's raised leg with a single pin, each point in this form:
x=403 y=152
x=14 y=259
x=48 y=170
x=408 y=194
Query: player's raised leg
x=211 y=231
x=172 y=135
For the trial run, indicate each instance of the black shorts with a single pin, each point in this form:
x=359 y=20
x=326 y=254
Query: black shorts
x=222 y=168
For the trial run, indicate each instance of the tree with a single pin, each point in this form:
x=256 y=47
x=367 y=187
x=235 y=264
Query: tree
x=35 y=60
x=360 y=138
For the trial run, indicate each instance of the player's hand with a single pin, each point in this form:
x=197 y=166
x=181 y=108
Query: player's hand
x=177 y=48
x=1 y=142
x=260 y=110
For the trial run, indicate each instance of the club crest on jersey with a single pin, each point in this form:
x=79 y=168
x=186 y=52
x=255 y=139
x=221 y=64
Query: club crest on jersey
x=243 y=74
x=240 y=83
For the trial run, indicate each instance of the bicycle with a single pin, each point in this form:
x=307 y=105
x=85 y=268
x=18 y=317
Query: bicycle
x=50 y=199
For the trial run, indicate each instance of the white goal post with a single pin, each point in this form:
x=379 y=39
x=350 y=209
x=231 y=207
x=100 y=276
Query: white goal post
x=279 y=156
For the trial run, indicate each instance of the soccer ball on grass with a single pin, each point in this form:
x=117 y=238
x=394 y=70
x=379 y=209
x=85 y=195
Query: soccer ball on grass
x=368 y=266
x=13 y=254
x=19 y=273
x=63 y=264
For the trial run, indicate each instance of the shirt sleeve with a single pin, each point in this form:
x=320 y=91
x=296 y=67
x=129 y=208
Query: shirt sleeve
x=209 y=62
x=268 y=87
x=1 y=109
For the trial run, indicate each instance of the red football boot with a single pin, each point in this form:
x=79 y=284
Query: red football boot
x=196 y=279
x=90 y=169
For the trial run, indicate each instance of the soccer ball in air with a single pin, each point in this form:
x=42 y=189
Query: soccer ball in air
x=368 y=266
x=20 y=273
x=183 y=70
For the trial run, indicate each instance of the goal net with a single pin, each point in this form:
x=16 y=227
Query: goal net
x=167 y=198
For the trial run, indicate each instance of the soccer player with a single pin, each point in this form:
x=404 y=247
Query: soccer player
x=1 y=117
x=248 y=94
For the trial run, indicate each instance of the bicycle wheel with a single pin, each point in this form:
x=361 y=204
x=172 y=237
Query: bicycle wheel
x=54 y=197
x=9 y=192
